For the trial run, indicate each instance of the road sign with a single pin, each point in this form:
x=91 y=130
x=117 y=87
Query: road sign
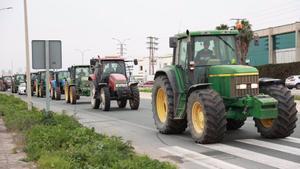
x=39 y=54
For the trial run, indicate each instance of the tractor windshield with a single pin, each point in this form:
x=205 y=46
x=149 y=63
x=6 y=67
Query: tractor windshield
x=215 y=50
x=114 y=67
x=82 y=72
x=7 y=79
x=62 y=75
x=20 y=78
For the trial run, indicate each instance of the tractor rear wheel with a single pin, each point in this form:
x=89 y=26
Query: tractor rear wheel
x=135 y=101
x=67 y=94
x=285 y=123
x=105 y=99
x=206 y=116
x=163 y=108
x=122 y=103
x=95 y=102
x=57 y=93
x=234 y=124
x=73 y=98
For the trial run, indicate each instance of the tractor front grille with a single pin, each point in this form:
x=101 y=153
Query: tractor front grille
x=248 y=80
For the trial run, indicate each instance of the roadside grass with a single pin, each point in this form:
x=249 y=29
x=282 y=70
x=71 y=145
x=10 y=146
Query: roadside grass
x=60 y=142
x=296 y=97
x=146 y=90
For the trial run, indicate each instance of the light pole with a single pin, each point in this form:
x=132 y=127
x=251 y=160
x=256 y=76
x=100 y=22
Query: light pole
x=82 y=53
x=28 y=78
x=122 y=44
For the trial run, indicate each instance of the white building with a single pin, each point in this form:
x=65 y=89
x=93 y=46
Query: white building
x=141 y=72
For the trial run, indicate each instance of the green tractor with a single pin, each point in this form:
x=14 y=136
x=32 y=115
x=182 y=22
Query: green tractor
x=77 y=84
x=207 y=90
x=17 y=79
x=40 y=83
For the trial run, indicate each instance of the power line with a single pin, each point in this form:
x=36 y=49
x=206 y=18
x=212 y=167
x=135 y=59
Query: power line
x=152 y=42
x=122 y=45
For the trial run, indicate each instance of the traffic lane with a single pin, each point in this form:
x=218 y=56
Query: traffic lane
x=147 y=140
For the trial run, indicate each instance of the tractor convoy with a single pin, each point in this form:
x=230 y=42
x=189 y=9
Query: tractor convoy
x=205 y=89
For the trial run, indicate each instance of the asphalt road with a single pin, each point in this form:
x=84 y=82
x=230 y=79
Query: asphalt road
x=243 y=148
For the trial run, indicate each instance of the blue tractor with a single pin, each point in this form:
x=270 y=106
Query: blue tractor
x=58 y=84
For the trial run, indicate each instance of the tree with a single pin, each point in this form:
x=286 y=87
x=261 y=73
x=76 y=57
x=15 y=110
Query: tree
x=222 y=27
x=244 y=37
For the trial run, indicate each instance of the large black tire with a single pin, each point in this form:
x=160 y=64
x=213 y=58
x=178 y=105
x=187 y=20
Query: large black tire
x=67 y=93
x=206 y=116
x=105 y=98
x=57 y=93
x=95 y=102
x=135 y=101
x=163 y=118
x=52 y=95
x=234 y=124
x=122 y=103
x=73 y=98
x=285 y=123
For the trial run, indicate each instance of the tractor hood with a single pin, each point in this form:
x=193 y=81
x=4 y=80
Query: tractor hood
x=117 y=78
x=231 y=70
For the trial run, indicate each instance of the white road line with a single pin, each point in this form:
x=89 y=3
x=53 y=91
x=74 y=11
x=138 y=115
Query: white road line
x=278 y=147
x=291 y=139
x=200 y=159
x=256 y=157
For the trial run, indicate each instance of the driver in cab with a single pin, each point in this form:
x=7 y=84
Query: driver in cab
x=204 y=54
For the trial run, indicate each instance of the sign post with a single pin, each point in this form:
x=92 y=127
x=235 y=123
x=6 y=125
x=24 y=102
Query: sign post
x=46 y=54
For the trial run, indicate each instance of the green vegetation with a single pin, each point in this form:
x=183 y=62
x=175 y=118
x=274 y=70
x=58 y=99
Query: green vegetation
x=59 y=141
x=279 y=71
x=146 y=90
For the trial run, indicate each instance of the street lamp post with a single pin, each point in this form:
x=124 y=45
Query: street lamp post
x=28 y=79
x=82 y=53
x=122 y=44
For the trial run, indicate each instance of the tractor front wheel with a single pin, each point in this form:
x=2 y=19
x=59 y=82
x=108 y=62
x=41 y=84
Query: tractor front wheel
x=163 y=108
x=67 y=94
x=95 y=102
x=206 y=116
x=57 y=94
x=135 y=101
x=285 y=123
x=122 y=103
x=105 y=99
x=73 y=98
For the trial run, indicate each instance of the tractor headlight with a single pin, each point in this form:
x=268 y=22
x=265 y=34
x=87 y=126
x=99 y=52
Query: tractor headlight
x=121 y=85
x=241 y=86
x=254 y=86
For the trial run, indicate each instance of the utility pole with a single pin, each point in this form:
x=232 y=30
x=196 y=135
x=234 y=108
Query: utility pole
x=152 y=42
x=122 y=45
x=82 y=52
x=28 y=78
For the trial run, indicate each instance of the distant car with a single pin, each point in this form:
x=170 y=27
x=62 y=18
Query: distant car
x=22 y=89
x=293 y=82
x=147 y=84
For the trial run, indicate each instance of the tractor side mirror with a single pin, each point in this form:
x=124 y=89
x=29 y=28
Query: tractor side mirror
x=173 y=42
x=135 y=61
x=69 y=69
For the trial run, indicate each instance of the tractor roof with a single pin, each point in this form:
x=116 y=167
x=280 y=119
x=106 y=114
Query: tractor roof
x=211 y=32
x=111 y=58
x=81 y=66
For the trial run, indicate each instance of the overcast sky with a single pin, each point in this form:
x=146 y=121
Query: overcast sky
x=91 y=24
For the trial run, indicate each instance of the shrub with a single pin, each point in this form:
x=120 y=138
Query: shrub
x=279 y=71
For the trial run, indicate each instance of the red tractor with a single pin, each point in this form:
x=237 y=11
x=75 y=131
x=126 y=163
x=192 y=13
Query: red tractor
x=109 y=81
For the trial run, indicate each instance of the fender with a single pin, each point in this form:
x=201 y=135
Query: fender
x=266 y=81
x=92 y=77
x=176 y=77
x=132 y=84
x=197 y=86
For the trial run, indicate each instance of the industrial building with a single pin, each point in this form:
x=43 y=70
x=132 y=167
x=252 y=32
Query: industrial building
x=280 y=44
